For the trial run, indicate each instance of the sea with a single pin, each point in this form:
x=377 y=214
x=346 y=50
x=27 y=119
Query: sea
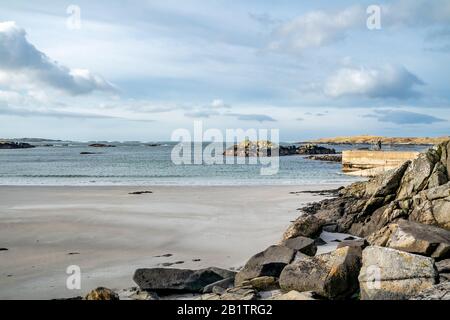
x=144 y=164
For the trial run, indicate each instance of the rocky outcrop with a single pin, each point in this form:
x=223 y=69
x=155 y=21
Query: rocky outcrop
x=163 y=281
x=414 y=237
x=418 y=191
x=15 y=145
x=332 y=275
x=270 y=263
x=389 y=274
x=267 y=149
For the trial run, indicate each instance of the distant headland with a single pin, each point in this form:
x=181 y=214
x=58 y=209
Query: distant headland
x=368 y=139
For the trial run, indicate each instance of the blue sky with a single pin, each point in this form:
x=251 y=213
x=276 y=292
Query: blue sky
x=137 y=70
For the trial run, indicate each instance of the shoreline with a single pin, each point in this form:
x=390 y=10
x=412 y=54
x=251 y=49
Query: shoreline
x=110 y=233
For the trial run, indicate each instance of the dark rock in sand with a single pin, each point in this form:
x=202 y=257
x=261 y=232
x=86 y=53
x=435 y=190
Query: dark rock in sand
x=302 y=244
x=102 y=294
x=137 y=193
x=333 y=275
x=163 y=280
x=270 y=263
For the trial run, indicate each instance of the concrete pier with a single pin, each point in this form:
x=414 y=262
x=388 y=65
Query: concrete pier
x=367 y=163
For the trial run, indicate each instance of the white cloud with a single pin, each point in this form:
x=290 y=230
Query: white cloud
x=320 y=28
x=21 y=64
x=385 y=82
x=219 y=104
x=316 y=29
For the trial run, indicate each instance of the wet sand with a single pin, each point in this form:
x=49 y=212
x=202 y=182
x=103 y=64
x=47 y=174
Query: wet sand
x=109 y=233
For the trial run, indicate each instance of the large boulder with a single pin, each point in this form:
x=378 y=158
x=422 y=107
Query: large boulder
x=389 y=274
x=302 y=244
x=332 y=275
x=163 y=280
x=307 y=226
x=416 y=238
x=270 y=262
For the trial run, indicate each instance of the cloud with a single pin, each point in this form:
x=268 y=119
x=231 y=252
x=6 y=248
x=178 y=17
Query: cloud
x=219 y=104
x=316 y=29
x=20 y=61
x=385 y=82
x=201 y=114
x=403 y=117
x=251 y=117
x=320 y=28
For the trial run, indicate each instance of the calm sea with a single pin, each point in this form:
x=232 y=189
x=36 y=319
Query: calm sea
x=140 y=164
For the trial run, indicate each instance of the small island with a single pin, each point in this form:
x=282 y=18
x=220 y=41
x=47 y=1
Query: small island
x=15 y=145
x=264 y=148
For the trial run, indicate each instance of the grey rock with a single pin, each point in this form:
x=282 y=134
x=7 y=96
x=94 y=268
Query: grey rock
x=443 y=266
x=262 y=283
x=333 y=275
x=437 y=292
x=358 y=243
x=223 y=284
x=419 y=238
x=305 y=226
x=302 y=244
x=239 y=293
x=270 y=262
x=389 y=274
x=416 y=176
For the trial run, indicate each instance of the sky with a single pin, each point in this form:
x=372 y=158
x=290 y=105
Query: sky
x=138 y=70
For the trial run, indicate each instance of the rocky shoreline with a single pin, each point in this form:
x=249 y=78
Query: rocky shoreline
x=400 y=248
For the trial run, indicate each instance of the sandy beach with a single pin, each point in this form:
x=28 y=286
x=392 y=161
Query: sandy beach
x=110 y=233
